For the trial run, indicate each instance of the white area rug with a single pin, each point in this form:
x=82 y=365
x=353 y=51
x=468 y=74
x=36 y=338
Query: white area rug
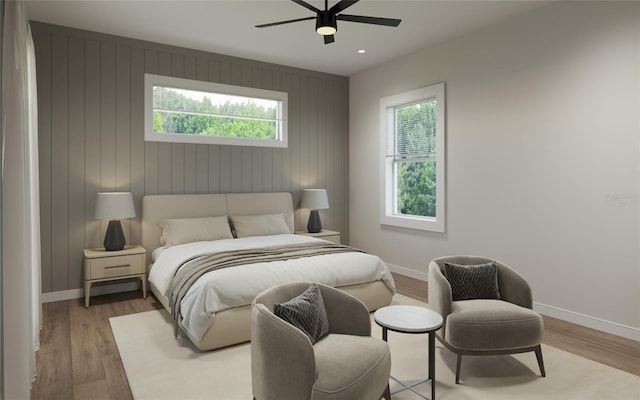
x=159 y=367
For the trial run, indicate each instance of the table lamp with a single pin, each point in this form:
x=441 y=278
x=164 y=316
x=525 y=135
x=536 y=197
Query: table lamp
x=114 y=206
x=315 y=199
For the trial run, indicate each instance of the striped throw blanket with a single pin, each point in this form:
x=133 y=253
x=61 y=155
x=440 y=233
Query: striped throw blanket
x=191 y=270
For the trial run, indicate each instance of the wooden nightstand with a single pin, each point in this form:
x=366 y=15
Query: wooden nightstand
x=101 y=265
x=325 y=234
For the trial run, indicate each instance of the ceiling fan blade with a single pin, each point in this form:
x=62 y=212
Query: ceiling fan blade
x=306 y=5
x=369 y=20
x=328 y=39
x=285 y=22
x=342 y=5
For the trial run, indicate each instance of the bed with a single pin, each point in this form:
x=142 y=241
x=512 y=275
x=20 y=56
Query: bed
x=215 y=311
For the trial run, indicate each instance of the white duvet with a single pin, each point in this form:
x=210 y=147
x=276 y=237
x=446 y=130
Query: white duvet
x=237 y=286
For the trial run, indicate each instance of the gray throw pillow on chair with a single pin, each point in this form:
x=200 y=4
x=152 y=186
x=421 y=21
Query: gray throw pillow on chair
x=306 y=312
x=472 y=281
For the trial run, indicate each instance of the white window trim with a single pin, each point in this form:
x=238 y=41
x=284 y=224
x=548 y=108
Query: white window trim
x=149 y=135
x=387 y=196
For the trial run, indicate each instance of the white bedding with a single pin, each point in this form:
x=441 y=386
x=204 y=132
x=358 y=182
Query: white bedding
x=237 y=286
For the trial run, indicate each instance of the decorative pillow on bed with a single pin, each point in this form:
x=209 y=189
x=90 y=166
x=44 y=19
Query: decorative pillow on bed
x=186 y=230
x=259 y=225
x=306 y=312
x=473 y=281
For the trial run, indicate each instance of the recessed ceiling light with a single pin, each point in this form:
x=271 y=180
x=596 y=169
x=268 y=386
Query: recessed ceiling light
x=362 y=51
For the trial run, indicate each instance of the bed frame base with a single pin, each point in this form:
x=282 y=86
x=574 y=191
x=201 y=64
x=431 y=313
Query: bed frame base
x=233 y=326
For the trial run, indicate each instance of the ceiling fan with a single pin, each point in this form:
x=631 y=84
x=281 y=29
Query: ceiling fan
x=326 y=20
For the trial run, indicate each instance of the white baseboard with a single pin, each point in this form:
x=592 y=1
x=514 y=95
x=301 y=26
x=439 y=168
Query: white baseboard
x=588 y=321
x=599 y=324
x=95 y=290
x=411 y=273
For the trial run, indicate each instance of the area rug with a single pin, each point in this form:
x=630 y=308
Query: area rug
x=159 y=367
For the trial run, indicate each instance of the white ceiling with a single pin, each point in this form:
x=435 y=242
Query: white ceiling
x=227 y=27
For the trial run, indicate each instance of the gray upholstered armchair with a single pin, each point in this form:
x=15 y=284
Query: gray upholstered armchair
x=346 y=364
x=486 y=326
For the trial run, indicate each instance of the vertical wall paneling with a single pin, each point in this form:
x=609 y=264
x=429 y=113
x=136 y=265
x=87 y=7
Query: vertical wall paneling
x=295 y=135
x=43 y=71
x=304 y=144
x=329 y=123
x=342 y=208
x=236 y=169
x=60 y=161
x=123 y=125
x=76 y=159
x=123 y=118
x=138 y=150
x=320 y=145
x=312 y=123
x=224 y=167
x=91 y=138
x=107 y=121
x=107 y=117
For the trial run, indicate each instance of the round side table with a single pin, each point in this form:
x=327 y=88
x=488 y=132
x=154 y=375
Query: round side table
x=412 y=319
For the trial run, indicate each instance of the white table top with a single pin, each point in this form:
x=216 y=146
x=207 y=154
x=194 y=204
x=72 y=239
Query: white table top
x=410 y=319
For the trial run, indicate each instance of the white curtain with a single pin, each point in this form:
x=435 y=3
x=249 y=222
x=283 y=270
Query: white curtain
x=33 y=197
x=21 y=303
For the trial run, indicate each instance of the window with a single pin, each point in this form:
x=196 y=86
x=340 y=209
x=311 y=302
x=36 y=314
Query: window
x=412 y=142
x=188 y=111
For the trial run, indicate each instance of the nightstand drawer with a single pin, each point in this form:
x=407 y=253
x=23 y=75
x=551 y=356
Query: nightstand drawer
x=109 y=267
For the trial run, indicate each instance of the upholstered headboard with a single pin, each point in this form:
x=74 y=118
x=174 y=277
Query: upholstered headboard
x=157 y=208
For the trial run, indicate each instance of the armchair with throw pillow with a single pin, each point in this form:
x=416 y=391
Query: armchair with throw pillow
x=486 y=307
x=313 y=342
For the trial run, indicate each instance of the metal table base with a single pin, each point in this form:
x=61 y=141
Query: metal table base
x=432 y=368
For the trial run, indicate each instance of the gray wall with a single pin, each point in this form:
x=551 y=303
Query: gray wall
x=90 y=102
x=543 y=157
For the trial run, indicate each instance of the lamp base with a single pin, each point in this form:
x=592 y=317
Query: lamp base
x=314 y=225
x=114 y=238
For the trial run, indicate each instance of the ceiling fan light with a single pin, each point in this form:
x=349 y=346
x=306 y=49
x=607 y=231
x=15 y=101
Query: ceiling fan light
x=326 y=30
x=326 y=23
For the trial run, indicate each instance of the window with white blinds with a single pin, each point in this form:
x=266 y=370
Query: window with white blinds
x=412 y=133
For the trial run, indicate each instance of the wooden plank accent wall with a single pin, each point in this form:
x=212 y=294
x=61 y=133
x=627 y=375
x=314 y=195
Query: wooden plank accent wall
x=91 y=131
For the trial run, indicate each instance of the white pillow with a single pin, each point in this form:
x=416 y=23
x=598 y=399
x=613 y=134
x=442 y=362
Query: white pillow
x=259 y=225
x=156 y=253
x=186 y=230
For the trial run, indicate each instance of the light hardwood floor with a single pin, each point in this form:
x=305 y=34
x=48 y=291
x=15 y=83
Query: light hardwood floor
x=78 y=358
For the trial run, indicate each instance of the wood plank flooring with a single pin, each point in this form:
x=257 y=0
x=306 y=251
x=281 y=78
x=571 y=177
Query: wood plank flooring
x=78 y=358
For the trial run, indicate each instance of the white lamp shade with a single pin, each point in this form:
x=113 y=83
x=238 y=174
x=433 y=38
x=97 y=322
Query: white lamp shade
x=315 y=199
x=115 y=205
